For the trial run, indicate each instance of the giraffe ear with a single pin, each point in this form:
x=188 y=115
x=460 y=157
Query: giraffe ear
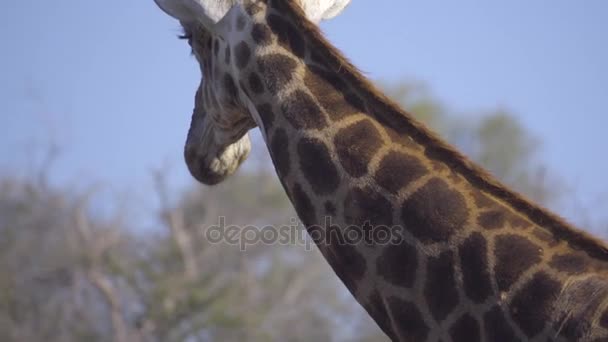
x=334 y=7
x=317 y=10
x=176 y=9
x=207 y=12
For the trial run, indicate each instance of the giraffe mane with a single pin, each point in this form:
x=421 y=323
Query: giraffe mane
x=394 y=116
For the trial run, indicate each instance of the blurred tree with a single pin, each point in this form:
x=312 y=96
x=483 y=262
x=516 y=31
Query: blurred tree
x=69 y=275
x=495 y=139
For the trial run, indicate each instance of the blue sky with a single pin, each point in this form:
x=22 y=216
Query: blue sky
x=109 y=82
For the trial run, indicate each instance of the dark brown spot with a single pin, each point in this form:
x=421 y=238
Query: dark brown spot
x=517 y=221
x=317 y=166
x=276 y=71
x=545 y=236
x=317 y=74
x=532 y=305
x=209 y=44
x=411 y=326
x=501 y=217
x=342 y=254
x=289 y=37
x=230 y=87
x=242 y=54
x=330 y=208
x=347 y=263
x=216 y=47
x=351 y=261
x=494 y=219
x=440 y=288
x=474 y=260
x=280 y=152
x=569 y=263
x=434 y=212
x=574 y=328
x=303 y=205
x=514 y=255
x=598 y=266
x=240 y=23
x=317 y=58
x=398 y=264
x=376 y=308
x=367 y=206
x=255 y=83
x=355 y=101
x=327 y=88
x=261 y=34
x=466 y=329
x=280 y=6
x=227 y=55
x=604 y=319
x=483 y=201
x=401 y=139
x=356 y=145
x=397 y=170
x=302 y=112
x=266 y=114
x=497 y=328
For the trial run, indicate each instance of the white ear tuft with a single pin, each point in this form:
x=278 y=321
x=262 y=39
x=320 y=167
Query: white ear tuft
x=316 y=10
x=207 y=12
x=336 y=8
x=175 y=9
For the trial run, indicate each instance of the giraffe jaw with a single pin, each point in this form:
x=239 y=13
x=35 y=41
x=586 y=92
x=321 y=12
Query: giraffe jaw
x=214 y=170
x=210 y=163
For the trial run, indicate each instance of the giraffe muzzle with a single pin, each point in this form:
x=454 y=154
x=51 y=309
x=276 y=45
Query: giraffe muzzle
x=209 y=159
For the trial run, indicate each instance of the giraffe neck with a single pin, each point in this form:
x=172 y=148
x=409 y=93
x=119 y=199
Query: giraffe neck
x=432 y=247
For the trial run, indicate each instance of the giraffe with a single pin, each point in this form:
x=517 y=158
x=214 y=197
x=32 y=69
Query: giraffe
x=466 y=258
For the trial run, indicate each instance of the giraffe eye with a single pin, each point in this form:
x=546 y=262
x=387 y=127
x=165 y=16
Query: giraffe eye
x=186 y=36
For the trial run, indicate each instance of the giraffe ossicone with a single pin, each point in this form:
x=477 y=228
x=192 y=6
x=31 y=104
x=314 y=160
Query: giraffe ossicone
x=466 y=258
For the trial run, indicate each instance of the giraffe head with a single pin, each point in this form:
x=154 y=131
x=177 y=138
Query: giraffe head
x=218 y=141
